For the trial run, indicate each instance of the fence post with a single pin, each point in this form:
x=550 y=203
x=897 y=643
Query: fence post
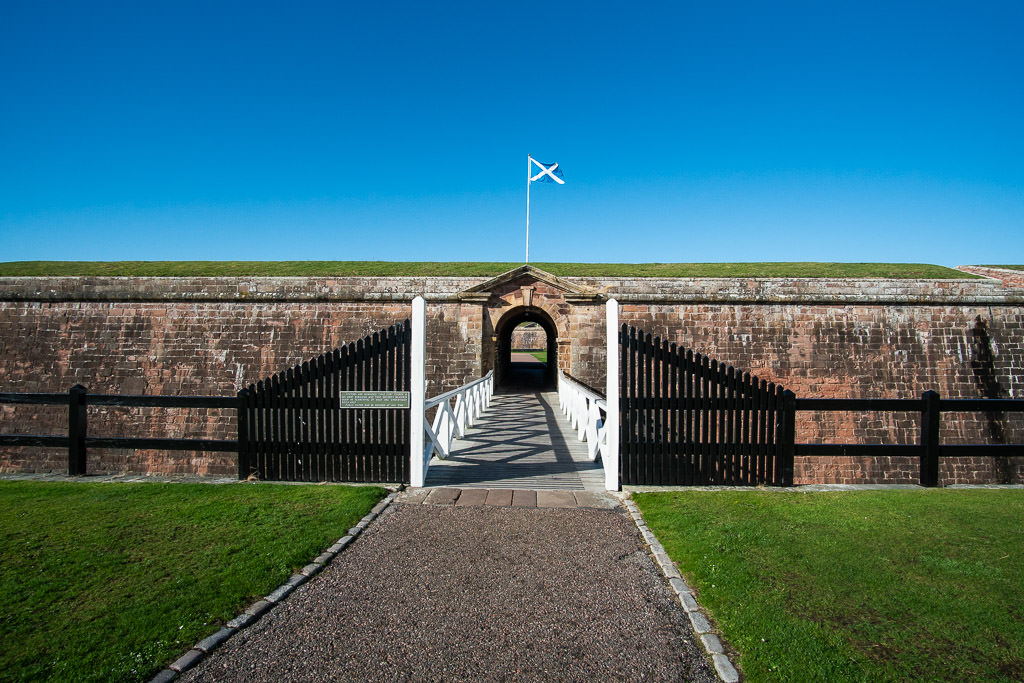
x=77 y=429
x=930 y=416
x=417 y=377
x=787 y=437
x=243 y=434
x=610 y=458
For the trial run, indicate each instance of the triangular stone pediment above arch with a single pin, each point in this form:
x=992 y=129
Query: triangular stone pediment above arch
x=526 y=275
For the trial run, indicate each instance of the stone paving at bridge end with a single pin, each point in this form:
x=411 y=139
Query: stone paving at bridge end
x=484 y=590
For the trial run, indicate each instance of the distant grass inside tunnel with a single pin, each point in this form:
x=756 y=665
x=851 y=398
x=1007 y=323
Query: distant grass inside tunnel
x=472 y=269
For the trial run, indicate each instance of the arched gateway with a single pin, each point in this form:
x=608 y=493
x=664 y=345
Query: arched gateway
x=505 y=372
x=528 y=294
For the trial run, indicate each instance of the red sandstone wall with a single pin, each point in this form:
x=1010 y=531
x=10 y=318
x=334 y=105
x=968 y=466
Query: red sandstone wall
x=862 y=351
x=587 y=331
x=962 y=338
x=532 y=338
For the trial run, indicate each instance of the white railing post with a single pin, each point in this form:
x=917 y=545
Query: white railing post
x=417 y=379
x=610 y=456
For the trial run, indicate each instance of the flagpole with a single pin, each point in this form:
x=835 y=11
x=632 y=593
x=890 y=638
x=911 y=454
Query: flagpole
x=528 y=170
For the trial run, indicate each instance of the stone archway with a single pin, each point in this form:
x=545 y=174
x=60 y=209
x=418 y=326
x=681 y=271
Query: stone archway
x=503 y=347
x=528 y=293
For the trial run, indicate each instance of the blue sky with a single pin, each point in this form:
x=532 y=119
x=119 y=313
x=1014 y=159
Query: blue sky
x=741 y=131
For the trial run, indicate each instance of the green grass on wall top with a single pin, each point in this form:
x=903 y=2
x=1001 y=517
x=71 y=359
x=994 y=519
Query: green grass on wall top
x=474 y=269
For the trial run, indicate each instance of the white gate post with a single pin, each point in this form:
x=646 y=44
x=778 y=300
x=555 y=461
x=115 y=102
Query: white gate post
x=610 y=457
x=418 y=388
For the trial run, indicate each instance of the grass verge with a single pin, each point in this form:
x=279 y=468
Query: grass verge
x=110 y=582
x=474 y=269
x=866 y=585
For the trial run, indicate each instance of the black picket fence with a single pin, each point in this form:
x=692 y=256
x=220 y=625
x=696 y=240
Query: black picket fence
x=292 y=426
x=689 y=419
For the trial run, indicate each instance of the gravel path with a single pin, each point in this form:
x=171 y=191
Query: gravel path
x=432 y=593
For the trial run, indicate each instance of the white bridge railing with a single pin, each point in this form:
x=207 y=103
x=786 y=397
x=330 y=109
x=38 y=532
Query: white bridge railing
x=583 y=407
x=456 y=410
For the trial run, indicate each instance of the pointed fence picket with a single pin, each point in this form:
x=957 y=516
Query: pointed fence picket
x=292 y=426
x=688 y=419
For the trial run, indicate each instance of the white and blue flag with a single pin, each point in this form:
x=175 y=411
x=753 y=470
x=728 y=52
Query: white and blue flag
x=548 y=173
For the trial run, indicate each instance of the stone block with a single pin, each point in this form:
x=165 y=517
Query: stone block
x=501 y=497
x=442 y=496
x=524 y=499
x=186 y=661
x=711 y=643
x=590 y=499
x=699 y=622
x=258 y=608
x=214 y=640
x=555 y=499
x=311 y=569
x=471 y=497
x=726 y=671
x=241 y=621
x=279 y=593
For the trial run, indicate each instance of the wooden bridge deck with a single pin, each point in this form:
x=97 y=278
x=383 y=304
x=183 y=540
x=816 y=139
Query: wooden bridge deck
x=523 y=441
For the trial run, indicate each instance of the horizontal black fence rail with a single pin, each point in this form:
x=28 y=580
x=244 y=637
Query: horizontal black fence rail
x=688 y=419
x=292 y=426
x=928 y=449
x=78 y=442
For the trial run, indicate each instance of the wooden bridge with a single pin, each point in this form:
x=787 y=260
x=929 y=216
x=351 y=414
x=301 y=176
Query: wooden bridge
x=522 y=441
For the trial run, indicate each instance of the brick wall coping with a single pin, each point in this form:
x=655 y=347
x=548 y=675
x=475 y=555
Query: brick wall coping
x=1009 y=277
x=627 y=290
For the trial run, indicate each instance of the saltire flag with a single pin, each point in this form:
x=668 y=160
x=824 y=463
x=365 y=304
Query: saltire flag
x=548 y=173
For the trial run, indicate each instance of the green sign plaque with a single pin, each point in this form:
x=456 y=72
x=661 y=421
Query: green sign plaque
x=374 y=399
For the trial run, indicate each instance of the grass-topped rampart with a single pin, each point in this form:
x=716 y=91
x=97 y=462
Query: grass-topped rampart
x=909 y=271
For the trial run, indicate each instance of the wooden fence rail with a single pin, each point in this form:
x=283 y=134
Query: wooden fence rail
x=78 y=442
x=928 y=449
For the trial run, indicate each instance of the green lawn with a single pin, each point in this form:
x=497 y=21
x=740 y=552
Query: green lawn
x=542 y=356
x=385 y=268
x=863 y=585
x=110 y=582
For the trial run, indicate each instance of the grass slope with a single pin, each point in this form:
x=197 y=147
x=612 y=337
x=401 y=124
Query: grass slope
x=865 y=585
x=110 y=582
x=427 y=269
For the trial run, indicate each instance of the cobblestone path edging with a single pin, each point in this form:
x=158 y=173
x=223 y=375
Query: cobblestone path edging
x=254 y=611
x=698 y=619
